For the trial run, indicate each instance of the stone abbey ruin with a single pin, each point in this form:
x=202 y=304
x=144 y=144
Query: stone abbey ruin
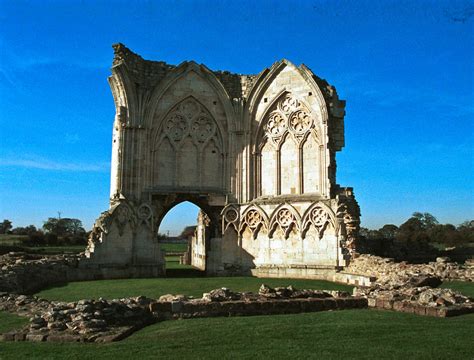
x=256 y=153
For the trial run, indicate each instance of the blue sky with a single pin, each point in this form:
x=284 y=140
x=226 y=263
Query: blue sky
x=404 y=67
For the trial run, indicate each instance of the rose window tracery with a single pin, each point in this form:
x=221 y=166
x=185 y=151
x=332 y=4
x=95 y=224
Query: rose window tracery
x=300 y=121
x=231 y=215
x=288 y=115
x=288 y=104
x=319 y=217
x=190 y=118
x=202 y=128
x=253 y=218
x=285 y=217
x=276 y=125
x=176 y=127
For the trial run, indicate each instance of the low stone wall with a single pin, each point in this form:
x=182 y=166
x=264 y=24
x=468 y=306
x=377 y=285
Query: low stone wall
x=104 y=321
x=313 y=272
x=412 y=307
x=23 y=273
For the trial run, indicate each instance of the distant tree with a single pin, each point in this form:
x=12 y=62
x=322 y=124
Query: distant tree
x=411 y=226
x=24 y=230
x=35 y=239
x=388 y=231
x=466 y=231
x=5 y=226
x=63 y=226
x=426 y=219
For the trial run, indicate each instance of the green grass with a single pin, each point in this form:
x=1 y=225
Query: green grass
x=8 y=239
x=174 y=247
x=351 y=334
x=52 y=250
x=172 y=262
x=10 y=322
x=156 y=287
x=464 y=287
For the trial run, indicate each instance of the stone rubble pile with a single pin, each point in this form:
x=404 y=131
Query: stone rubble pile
x=84 y=320
x=413 y=287
x=386 y=268
x=24 y=273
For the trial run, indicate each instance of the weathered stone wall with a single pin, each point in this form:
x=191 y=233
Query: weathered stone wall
x=258 y=148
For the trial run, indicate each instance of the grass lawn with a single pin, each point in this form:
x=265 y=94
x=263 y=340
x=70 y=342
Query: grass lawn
x=10 y=321
x=351 y=334
x=156 y=287
x=172 y=262
x=173 y=247
x=466 y=288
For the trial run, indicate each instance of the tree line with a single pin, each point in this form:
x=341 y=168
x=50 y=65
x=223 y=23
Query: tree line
x=55 y=231
x=421 y=236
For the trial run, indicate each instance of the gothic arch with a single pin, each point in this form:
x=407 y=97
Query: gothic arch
x=285 y=217
x=179 y=72
x=254 y=218
x=320 y=216
x=196 y=157
x=285 y=132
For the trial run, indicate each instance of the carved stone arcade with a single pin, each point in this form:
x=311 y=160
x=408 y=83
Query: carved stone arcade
x=257 y=154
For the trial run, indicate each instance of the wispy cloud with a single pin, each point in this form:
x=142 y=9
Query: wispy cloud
x=46 y=164
x=388 y=95
x=16 y=63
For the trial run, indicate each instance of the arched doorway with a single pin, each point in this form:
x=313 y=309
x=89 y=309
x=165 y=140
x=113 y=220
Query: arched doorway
x=186 y=228
x=176 y=234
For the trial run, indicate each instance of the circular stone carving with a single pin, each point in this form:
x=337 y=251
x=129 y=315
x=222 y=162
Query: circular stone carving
x=202 y=128
x=276 y=124
x=319 y=217
x=300 y=121
x=176 y=127
x=253 y=218
x=144 y=212
x=231 y=215
x=189 y=108
x=285 y=217
x=289 y=104
x=122 y=214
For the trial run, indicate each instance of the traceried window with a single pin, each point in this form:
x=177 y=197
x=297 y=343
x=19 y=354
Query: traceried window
x=289 y=155
x=188 y=148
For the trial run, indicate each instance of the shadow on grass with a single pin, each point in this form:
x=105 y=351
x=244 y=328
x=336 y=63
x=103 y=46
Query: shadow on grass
x=185 y=273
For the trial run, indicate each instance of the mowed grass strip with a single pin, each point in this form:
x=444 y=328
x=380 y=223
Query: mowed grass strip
x=154 y=288
x=350 y=334
x=10 y=322
x=464 y=287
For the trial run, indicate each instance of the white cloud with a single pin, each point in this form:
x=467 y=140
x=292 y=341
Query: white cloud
x=46 y=164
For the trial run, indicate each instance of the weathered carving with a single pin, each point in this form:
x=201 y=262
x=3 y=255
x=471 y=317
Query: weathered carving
x=285 y=218
x=190 y=118
x=319 y=217
x=230 y=217
x=257 y=153
x=253 y=218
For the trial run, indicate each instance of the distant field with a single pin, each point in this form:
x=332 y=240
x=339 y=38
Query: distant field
x=174 y=247
x=7 y=239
